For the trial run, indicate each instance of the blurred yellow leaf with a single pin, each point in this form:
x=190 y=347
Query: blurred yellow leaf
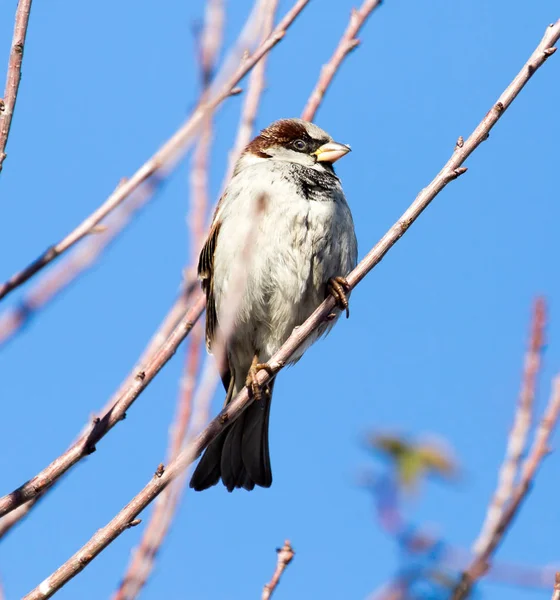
x=414 y=461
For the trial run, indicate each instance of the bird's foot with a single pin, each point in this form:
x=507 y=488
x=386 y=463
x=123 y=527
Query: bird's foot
x=337 y=287
x=252 y=382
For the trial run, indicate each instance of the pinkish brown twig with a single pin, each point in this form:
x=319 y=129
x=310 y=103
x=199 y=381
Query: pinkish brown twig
x=539 y=450
x=62 y=275
x=177 y=312
x=163 y=159
x=85 y=445
x=8 y=103
x=517 y=440
x=143 y=558
x=142 y=562
x=451 y=171
x=347 y=43
x=253 y=95
x=285 y=557
x=14 y=319
x=556 y=591
x=211 y=40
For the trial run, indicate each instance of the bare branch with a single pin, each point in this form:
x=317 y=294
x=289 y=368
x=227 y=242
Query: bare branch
x=556 y=592
x=85 y=445
x=539 y=450
x=451 y=171
x=285 y=556
x=255 y=89
x=8 y=103
x=177 y=312
x=13 y=320
x=211 y=39
x=164 y=158
x=347 y=43
x=517 y=440
x=143 y=559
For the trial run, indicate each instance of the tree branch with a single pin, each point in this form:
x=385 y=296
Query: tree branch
x=556 y=592
x=8 y=103
x=539 y=450
x=450 y=171
x=13 y=320
x=52 y=283
x=252 y=100
x=285 y=557
x=517 y=440
x=166 y=156
x=85 y=445
x=142 y=562
x=171 y=320
x=348 y=42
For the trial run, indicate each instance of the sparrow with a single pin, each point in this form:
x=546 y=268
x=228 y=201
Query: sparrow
x=284 y=230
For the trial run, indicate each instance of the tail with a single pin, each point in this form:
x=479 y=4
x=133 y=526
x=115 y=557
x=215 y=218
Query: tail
x=239 y=455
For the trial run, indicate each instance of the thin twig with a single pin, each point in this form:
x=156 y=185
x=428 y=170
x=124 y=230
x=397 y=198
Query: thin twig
x=253 y=95
x=348 y=42
x=556 y=591
x=14 y=319
x=85 y=445
x=451 y=171
x=143 y=559
x=517 y=440
x=211 y=40
x=539 y=450
x=8 y=103
x=59 y=466
x=285 y=557
x=166 y=156
x=10 y=520
x=174 y=316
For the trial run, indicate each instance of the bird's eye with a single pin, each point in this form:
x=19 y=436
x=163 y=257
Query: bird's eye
x=300 y=145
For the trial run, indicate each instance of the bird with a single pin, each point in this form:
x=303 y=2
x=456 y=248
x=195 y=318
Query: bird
x=281 y=240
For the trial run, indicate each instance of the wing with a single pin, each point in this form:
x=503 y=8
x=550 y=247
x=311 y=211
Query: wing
x=206 y=276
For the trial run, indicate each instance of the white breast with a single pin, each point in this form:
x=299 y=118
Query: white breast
x=281 y=248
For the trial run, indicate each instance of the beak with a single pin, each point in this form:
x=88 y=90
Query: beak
x=331 y=152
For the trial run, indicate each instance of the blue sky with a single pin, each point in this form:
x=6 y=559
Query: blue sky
x=437 y=333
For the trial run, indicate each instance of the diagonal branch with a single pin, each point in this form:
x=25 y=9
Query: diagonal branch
x=517 y=440
x=538 y=452
x=8 y=103
x=85 y=445
x=348 y=42
x=164 y=331
x=142 y=561
x=52 y=283
x=164 y=158
x=450 y=171
x=285 y=557
x=13 y=320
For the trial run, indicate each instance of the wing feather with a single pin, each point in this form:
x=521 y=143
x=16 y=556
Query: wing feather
x=206 y=276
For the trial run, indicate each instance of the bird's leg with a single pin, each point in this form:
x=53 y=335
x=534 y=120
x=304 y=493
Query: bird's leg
x=251 y=382
x=337 y=287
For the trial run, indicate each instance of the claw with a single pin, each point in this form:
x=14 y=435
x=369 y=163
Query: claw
x=338 y=287
x=252 y=383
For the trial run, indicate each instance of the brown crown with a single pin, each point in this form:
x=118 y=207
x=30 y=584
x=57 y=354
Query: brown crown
x=280 y=133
